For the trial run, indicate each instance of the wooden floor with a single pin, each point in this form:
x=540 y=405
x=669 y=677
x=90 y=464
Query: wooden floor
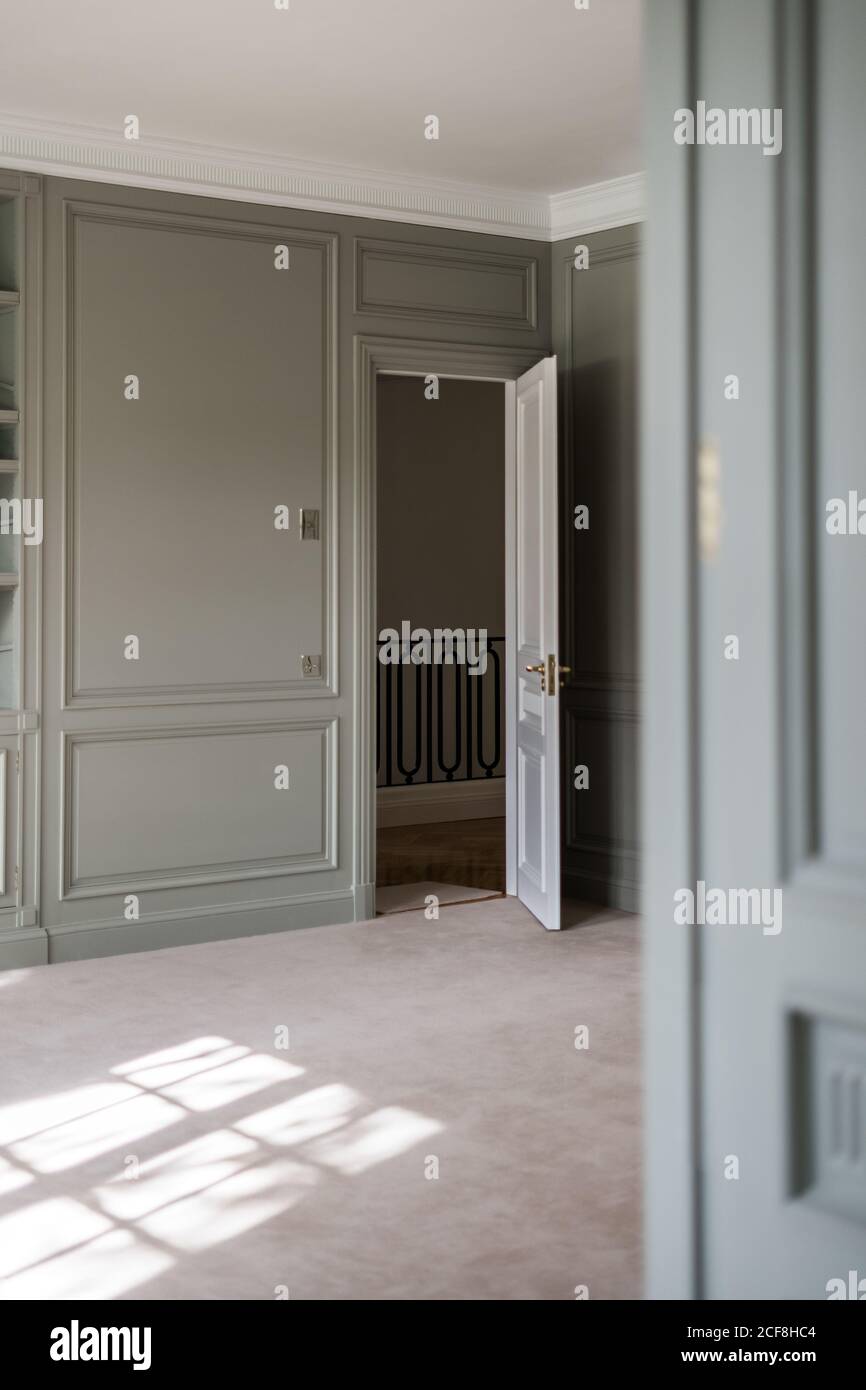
x=471 y=852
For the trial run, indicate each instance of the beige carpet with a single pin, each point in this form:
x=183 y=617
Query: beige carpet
x=431 y=1131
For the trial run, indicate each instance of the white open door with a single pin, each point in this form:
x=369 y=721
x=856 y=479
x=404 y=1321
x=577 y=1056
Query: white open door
x=534 y=678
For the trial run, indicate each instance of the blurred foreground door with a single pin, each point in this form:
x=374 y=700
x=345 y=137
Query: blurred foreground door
x=753 y=641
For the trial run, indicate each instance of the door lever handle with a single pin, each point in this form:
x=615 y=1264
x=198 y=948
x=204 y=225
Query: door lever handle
x=541 y=669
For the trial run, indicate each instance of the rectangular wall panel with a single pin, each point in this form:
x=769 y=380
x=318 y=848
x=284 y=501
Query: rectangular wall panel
x=200 y=401
x=170 y=807
x=596 y=340
x=485 y=288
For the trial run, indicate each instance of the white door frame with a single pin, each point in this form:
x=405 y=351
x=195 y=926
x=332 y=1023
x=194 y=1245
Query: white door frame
x=374 y=357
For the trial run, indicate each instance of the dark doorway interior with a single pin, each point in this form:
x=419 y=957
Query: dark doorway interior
x=441 y=566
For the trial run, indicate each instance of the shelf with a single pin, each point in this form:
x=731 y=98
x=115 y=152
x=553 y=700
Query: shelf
x=9 y=466
x=8 y=580
x=8 y=417
x=9 y=299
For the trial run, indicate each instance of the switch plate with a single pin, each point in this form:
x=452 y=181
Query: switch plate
x=309 y=524
x=311 y=665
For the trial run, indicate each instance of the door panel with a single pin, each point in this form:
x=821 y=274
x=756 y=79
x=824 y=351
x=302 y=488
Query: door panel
x=784 y=1011
x=757 y=1023
x=537 y=705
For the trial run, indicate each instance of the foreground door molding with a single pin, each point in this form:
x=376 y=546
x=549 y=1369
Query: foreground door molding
x=668 y=619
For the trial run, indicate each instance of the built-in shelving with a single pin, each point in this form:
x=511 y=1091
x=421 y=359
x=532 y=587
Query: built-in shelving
x=11 y=308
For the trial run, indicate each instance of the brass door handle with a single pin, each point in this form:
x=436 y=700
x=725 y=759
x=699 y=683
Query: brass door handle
x=541 y=669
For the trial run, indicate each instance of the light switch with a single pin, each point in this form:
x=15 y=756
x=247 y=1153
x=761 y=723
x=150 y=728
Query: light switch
x=309 y=524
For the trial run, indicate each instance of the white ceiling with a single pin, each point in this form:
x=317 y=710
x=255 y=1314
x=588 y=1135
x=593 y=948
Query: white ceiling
x=533 y=96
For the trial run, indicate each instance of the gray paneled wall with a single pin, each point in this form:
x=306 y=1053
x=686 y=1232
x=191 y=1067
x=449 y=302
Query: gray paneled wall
x=595 y=327
x=163 y=817
x=160 y=817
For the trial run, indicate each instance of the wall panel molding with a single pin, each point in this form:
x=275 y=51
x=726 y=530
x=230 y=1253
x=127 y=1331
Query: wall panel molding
x=324 y=244
x=600 y=703
x=625 y=248
x=432 y=264
x=602 y=855
x=74 y=884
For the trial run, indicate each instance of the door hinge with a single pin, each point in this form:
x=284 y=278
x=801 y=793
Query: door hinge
x=17 y=760
x=17 y=876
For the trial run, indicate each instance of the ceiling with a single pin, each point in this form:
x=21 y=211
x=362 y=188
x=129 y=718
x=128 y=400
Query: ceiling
x=533 y=97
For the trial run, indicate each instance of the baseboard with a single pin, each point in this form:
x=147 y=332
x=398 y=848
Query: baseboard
x=620 y=894
x=21 y=947
x=365 y=901
x=87 y=940
x=440 y=801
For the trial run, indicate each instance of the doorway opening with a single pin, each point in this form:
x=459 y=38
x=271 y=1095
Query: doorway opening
x=441 y=641
x=530 y=739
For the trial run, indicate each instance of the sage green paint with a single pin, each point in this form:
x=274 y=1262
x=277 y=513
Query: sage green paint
x=246 y=400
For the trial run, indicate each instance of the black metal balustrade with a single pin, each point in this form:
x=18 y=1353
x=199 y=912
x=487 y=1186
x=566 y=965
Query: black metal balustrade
x=439 y=723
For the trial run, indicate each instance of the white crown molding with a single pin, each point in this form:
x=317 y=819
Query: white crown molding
x=181 y=166
x=616 y=203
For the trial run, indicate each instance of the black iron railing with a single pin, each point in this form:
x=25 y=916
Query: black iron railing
x=439 y=723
